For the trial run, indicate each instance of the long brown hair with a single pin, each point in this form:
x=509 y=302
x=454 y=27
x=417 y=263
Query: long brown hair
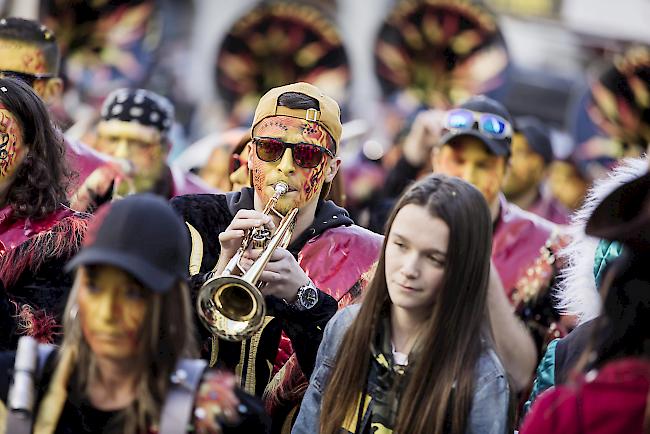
x=453 y=331
x=166 y=336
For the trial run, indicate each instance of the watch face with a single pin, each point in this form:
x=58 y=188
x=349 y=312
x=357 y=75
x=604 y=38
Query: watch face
x=308 y=296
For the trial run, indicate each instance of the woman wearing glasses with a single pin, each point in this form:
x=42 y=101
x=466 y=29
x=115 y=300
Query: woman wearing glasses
x=295 y=138
x=416 y=356
x=38 y=233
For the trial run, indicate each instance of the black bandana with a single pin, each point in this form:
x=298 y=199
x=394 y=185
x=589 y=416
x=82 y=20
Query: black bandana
x=139 y=105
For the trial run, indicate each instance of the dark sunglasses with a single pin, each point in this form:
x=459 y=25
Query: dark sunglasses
x=305 y=155
x=25 y=77
x=489 y=124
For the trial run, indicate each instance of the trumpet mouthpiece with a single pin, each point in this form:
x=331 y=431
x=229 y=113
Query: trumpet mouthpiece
x=281 y=188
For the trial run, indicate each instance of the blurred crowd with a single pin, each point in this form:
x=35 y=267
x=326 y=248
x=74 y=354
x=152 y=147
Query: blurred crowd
x=463 y=255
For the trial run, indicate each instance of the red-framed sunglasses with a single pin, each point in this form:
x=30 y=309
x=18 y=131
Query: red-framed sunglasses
x=305 y=155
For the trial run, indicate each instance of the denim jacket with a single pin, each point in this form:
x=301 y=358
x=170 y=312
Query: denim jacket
x=489 y=412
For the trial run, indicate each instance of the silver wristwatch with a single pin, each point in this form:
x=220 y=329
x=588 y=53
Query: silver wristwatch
x=307 y=297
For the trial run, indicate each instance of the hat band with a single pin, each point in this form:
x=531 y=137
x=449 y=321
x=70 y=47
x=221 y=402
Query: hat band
x=311 y=115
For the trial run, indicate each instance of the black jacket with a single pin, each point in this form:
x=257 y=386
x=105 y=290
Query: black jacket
x=210 y=215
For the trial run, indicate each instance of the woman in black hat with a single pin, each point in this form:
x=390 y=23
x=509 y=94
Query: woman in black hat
x=127 y=328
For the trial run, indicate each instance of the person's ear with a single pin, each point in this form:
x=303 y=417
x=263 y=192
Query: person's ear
x=332 y=168
x=49 y=90
x=249 y=162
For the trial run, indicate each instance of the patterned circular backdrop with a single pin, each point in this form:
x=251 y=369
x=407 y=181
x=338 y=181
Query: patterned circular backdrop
x=278 y=43
x=437 y=53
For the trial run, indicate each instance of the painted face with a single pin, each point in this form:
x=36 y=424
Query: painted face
x=526 y=169
x=468 y=158
x=567 y=185
x=304 y=184
x=12 y=148
x=112 y=307
x=139 y=144
x=239 y=178
x=415 y=259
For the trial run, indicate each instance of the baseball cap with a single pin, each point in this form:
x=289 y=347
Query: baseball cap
x=328 y=115
x=139 y=105
x=537 y=136
x=142 y=235
x=483 y=104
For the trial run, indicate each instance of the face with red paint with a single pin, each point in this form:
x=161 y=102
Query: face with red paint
x=468 y=158
x=140 y=144
x=304 y=184
x=12 y=148
x=112 y=308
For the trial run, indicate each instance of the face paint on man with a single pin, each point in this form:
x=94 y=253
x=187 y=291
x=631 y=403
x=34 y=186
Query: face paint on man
x=468 y=158
x=112 y=307
x=137 y=143
x=304 y=184
x=12 y=149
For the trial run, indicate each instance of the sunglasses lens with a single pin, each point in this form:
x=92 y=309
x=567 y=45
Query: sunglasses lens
x=269 y=150
x=493 y=126
x=307 y=156
x=460 y=119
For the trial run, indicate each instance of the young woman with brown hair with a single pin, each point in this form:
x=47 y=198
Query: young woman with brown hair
x=418 y=349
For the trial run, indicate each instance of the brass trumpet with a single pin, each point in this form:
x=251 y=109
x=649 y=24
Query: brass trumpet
x=232 y=306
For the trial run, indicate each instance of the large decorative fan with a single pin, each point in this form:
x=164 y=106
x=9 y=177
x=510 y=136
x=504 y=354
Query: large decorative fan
x=437 y=53
x=278 y=43
x=105 y=44
x=620 y=98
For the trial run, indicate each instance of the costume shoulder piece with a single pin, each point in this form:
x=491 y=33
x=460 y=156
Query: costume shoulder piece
x=31 y=271
x=26 y=245
x=523 y=252
x=188 y=183
x=206 y=215
x=337 y=258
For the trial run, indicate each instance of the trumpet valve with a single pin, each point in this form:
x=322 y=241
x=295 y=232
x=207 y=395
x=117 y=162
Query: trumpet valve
x=260 y=238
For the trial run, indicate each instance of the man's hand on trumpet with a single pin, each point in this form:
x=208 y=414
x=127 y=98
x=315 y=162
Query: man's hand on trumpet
x=231 y=239
x=282 y=275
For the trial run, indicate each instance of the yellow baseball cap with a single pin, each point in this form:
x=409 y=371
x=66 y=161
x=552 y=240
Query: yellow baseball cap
x=329 y=115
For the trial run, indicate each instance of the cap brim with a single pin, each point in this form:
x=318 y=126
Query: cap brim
x=492 y=145
x=624 y=215
x=153 y=278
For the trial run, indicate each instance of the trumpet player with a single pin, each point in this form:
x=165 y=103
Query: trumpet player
x=294 y=140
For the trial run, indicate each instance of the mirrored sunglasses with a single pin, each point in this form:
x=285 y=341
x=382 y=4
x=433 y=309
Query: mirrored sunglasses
x=491 y=125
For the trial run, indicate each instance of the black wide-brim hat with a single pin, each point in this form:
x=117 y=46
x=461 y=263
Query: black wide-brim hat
x=141 y=235
x=624 y=215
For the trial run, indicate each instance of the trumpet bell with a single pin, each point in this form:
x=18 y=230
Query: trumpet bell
x=231 y=308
